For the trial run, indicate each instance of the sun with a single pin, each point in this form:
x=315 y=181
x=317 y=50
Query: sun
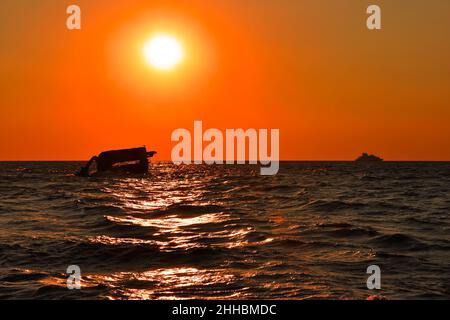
x=163 y=52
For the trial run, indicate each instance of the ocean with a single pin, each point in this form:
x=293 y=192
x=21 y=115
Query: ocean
x=226 y=232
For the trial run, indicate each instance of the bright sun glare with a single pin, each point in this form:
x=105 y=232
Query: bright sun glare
x=163 y=52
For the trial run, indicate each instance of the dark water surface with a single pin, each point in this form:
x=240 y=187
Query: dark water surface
x=226 y=232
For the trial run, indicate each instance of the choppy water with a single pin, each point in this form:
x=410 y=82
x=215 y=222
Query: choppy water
x=226 y=232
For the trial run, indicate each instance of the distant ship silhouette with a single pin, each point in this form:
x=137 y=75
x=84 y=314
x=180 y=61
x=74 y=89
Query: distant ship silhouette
x=368 y=158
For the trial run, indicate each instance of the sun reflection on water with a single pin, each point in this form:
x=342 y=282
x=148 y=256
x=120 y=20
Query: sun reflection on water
x=140 y=195
x=168 y=283
x=169 y=223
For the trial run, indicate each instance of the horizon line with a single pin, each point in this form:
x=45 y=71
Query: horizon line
x=284 y=160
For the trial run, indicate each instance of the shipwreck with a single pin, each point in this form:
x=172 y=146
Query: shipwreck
x=134 y=160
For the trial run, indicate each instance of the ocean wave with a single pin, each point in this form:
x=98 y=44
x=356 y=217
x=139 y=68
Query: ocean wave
x=103 y=209
x=342 y=230
x=188 y=209
x=399 y=241
x=332 y=205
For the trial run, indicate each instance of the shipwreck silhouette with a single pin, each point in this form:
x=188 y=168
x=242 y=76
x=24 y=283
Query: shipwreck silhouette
x=134 y=160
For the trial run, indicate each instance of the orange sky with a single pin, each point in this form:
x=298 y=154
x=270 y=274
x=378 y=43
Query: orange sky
x=310 y=68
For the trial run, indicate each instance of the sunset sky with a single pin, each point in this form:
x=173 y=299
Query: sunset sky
x=309 y=67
